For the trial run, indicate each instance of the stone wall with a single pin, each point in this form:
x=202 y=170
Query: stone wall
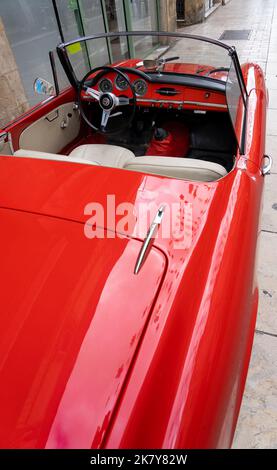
x=167 y=15
x=194 y=11
x=13 y=101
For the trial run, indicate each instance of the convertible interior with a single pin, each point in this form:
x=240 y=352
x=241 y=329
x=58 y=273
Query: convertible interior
x=195 y=136
x=141 y=116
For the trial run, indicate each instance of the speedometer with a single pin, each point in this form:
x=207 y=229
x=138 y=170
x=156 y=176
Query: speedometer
x=121 y=83
x=140 y=87
x=105 y=85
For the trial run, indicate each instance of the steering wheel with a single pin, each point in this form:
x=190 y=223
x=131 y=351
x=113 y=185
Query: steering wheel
x=107 y=101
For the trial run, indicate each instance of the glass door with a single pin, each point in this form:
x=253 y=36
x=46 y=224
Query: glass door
x=104 y=16
x=208 y=4
x=113 y=11
x=87 y=17
x=142 y=15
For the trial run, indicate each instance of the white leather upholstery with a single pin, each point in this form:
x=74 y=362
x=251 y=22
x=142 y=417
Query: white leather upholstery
x=107 y=155
x=94 y=154
x=119 y=157
x=182 y=168
x=50 y=156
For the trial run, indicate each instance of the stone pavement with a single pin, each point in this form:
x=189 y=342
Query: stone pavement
x=257 y=425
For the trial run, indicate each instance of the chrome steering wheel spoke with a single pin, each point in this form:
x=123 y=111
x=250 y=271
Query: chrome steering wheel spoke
x=105 y=118
x=119 y=113
x=93 y=93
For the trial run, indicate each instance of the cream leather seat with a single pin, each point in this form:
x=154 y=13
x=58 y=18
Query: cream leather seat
x=93 y=154
x=119 y=157
x=101 y=154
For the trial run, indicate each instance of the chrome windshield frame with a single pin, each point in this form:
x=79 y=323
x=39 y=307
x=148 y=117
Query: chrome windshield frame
x=63 y=55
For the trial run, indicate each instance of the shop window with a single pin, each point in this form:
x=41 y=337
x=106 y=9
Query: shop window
x=31 y=29
x=143 y=17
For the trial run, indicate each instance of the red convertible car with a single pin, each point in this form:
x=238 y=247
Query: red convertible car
x=117 y=333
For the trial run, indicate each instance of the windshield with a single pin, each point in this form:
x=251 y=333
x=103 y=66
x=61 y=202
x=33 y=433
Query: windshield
x=161 y=55
x=201 y=55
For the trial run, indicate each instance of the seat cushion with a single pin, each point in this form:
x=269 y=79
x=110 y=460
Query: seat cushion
x=182 y=168
x=106 y=155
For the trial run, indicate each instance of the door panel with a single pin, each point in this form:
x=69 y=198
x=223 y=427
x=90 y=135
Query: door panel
x=53 y=131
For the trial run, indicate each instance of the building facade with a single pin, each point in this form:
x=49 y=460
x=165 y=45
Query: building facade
x=29 y=29
x=195 y=11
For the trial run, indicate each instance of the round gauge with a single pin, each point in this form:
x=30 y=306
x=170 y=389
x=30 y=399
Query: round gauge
x=121 y=83
x=140 y=87
x=105 y=85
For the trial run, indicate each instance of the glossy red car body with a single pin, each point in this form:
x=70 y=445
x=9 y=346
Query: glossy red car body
x=94 y=356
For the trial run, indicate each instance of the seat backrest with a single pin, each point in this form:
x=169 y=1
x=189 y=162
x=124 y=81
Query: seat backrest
x=181 y=168
x=51 y=156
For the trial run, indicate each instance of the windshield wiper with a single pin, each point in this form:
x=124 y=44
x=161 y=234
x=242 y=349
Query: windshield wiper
x=169 y=59
x=219 y=69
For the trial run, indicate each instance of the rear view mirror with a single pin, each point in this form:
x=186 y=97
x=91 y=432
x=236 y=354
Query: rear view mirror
x=150 y=64
x=42 y=87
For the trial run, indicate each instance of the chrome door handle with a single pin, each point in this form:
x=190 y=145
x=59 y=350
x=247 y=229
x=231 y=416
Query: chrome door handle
x=266 y=168
x=64 y=123
x=149 y=240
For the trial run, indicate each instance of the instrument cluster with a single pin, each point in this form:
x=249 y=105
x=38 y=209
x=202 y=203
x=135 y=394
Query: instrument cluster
x=163 y=95
x=106 y=85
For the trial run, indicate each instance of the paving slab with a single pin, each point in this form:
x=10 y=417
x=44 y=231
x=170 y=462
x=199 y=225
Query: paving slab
x=271 y=123
x=271 y=68
x=269 y=212
x=272 y=99
x=271 y=82
x=267 y=281
x=257 y=425
x=271 y=149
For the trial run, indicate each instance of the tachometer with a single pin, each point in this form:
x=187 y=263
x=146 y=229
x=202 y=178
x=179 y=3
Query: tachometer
x=105 y=85
x=140 y=87
x=121 y=83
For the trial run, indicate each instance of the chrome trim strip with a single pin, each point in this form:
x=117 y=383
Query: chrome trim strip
x=145 y=33
x=209 y=105
x=149 y=240
x=145 y=100
x=45 y=101
x=267 y=167
x=10 y=142
x=197 y=103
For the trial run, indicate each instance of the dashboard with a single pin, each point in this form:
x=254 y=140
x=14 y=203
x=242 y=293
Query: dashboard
x=163 y=90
